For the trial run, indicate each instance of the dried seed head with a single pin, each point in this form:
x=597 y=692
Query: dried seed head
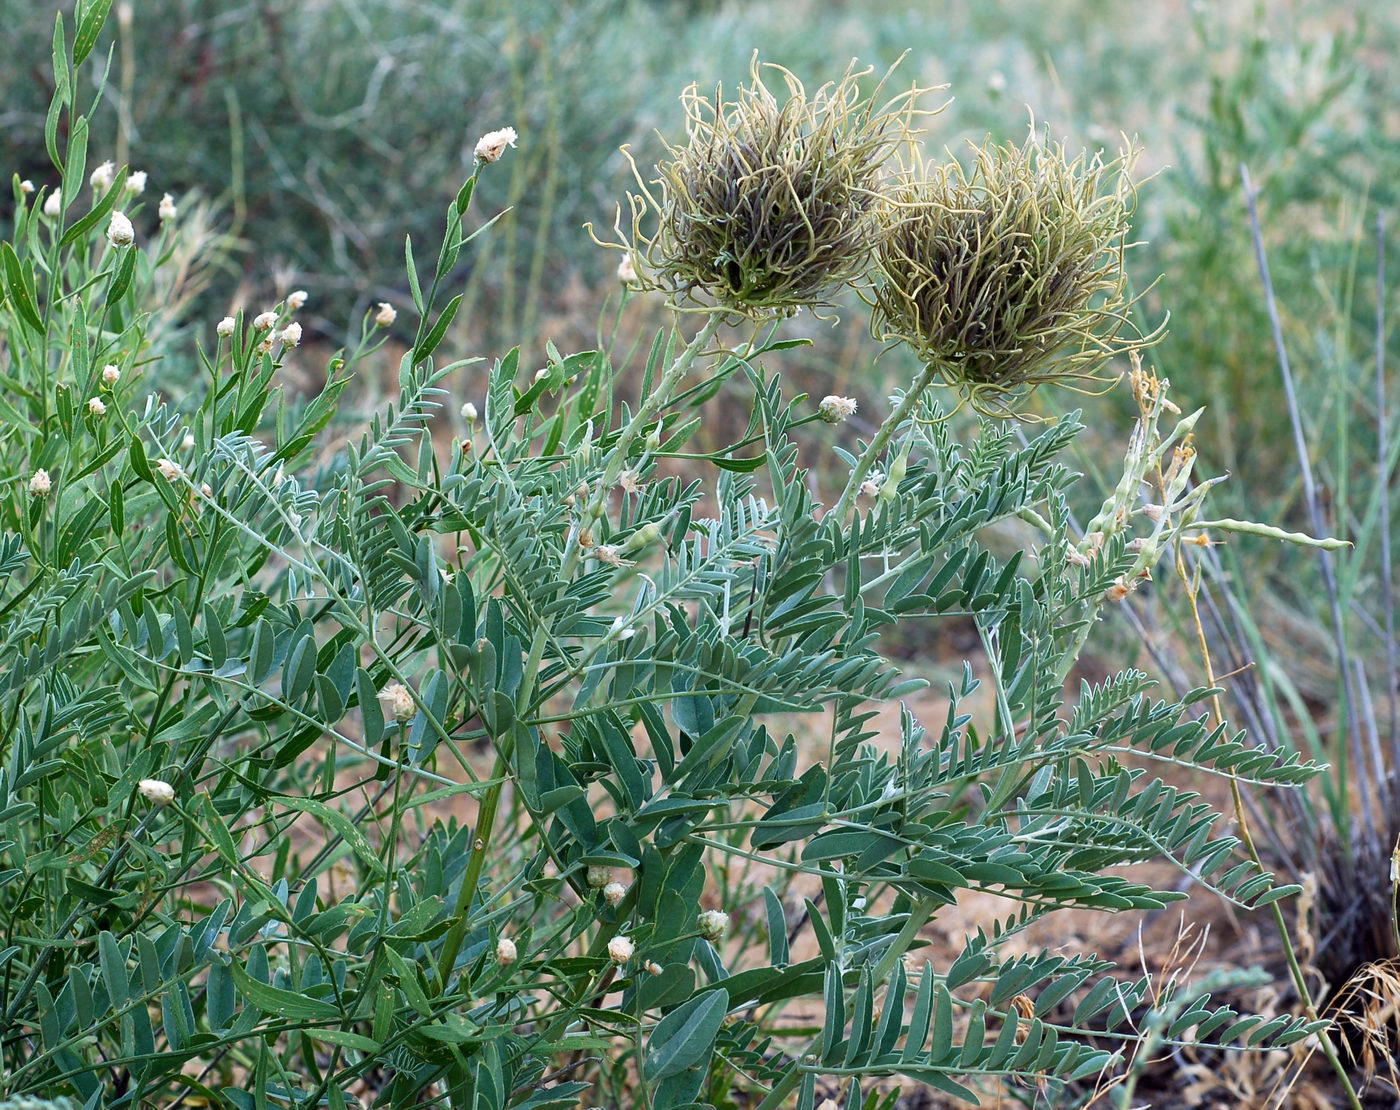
x=835 y=410
x=770 y=203
x=1009 y=274
x=170 y=470
x=155 y=791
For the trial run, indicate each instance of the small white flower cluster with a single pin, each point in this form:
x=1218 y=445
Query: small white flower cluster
x=398 y=699
x=836 y=410
x=40 y=483
x=386 y=315
x=506 y=953
x=492 y=145
x=712 y=924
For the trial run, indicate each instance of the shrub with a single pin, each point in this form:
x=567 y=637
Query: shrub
x=248 y=668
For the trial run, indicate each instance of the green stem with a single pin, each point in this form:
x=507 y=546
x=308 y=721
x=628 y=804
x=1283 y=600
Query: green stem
x=882 y=438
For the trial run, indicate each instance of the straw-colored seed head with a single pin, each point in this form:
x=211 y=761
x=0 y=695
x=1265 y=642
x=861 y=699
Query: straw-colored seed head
x=770 y=203
x=1009 y=274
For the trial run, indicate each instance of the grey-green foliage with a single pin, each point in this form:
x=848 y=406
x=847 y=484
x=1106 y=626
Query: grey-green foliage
x=319 y=635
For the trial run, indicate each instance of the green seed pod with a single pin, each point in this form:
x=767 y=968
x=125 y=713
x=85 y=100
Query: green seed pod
x=1010 y=274
x=771 y=204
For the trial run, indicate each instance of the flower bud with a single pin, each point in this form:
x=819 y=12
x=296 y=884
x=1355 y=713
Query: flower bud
x=871 y=486
x=167 y=209
x=120 y=233
x=53 y=204
x=835 y=410
x=492 y=145
x=653 y=968
x=187 y=443
x=110 y=375
x=620 y=950
x=712 y=924
x=96 y=406
x=136 y=182
x=40 y=483
x=469 y=413
x=26 y=186
x=598 y=877
x=225 y=327
x=156 y=792
x=627 y=270
x=101 y=178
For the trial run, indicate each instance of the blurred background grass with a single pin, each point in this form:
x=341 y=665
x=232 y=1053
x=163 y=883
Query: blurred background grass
x=332 y=128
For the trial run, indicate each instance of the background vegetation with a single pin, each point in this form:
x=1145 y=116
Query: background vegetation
x=320 y=133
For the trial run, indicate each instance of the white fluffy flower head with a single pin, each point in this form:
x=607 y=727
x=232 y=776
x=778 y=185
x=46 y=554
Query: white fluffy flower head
x=101 y=178
x=120 y=233
x=156 y=792
x=506 y=952
x=136 y=182
x=291 y=334
x=53 y=204
x=492 y=145
x=296 y=299
x=167 y=209
x=40 y=483
x=264 y=320
x=225 y=327
x=712 y=924
x=96 y=406
x=110 y=374
x=386 y=315
x=170 y=470
x=614 y=893
x=469 y=413
x=836 y=410
x=620 y=950
x=399 y=701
